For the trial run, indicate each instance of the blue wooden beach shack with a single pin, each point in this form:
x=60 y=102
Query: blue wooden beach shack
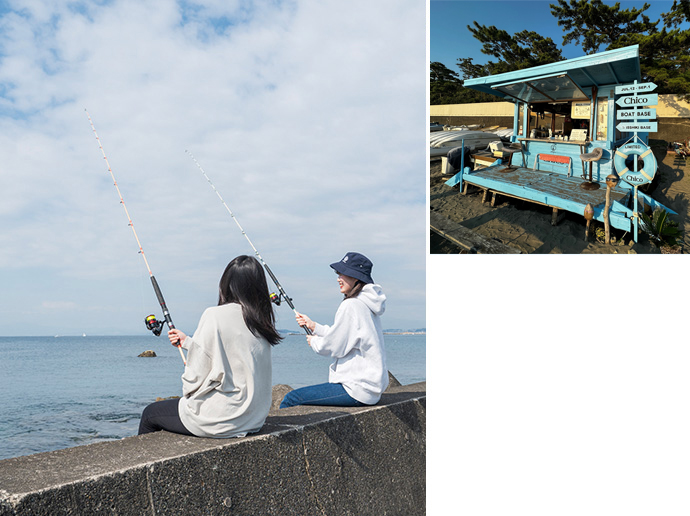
x=565 y=137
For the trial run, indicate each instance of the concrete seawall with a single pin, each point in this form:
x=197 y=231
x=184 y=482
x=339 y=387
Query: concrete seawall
x=305 y=461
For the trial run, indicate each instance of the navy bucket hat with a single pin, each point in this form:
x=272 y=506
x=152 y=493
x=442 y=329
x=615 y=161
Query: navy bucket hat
x=356 y=266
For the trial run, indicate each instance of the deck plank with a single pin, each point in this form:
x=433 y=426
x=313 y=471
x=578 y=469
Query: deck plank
x=466 y=238
x=549 y=189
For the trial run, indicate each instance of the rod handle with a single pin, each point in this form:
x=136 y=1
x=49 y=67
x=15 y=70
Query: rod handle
x=166 y=313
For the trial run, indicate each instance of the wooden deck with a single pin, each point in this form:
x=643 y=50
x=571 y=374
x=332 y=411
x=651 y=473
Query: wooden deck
x=468 y=240
x=551 y=189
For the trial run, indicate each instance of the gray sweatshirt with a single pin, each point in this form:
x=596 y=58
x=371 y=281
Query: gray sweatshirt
x=355 y=342
x=227 y=381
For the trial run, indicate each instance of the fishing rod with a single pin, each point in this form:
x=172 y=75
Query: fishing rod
x=152 y=323
x=276 y=298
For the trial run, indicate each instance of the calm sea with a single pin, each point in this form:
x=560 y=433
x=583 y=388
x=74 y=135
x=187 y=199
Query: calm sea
x=60 y=392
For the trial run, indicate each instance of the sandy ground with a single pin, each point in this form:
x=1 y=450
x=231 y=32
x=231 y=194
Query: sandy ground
x=527 y=226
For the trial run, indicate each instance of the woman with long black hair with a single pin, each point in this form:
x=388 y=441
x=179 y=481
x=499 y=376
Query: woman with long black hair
x=226 y=384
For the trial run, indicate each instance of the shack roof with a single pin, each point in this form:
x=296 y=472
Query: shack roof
x=571 y=79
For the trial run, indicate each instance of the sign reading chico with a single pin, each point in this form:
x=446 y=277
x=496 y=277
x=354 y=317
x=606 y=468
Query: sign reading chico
x=651 y=99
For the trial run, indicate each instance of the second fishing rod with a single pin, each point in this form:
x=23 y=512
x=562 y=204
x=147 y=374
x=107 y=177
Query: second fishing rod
x=276 y=298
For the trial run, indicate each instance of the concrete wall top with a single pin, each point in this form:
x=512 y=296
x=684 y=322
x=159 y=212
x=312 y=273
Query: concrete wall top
x=305 y=461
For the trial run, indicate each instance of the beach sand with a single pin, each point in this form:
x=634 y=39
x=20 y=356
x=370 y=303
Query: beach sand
x=527 y=226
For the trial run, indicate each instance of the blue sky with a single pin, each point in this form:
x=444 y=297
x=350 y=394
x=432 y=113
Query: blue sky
x=282 y=103
x=450 y=39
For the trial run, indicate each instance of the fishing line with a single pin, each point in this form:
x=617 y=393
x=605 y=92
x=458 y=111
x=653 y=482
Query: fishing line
x=276 y=298
x=151 y=323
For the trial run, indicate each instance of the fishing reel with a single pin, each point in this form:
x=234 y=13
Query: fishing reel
x=154 y=325
x=278 y=298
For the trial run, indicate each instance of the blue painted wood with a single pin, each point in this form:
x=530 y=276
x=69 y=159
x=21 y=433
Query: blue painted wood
x=457 y=178
x=620 y=208
x=614 y=67
x=654 y=204
x=550 y=189
x=600 y=169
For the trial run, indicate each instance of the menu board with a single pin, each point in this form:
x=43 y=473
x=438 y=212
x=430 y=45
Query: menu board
x=580 y=110
x=578 y=135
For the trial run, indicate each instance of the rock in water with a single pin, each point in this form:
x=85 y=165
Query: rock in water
x=148 y=353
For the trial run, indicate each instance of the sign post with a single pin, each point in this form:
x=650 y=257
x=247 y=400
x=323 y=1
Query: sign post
x=639 y=103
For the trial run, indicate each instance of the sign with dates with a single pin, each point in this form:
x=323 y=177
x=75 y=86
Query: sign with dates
x=645 y=87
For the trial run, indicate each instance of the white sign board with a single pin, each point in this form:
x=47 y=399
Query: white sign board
x=629 y=114
x=580 y=110
x=644 y=127
x=633 y=88
x=650 y=99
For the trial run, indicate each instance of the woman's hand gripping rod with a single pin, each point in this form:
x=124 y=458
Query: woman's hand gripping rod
x=282 y=294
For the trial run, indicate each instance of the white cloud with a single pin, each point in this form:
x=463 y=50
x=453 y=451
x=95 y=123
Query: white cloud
x=308 y=116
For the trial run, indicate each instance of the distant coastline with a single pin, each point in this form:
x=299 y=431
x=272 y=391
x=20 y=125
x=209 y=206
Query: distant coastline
x=385 y=332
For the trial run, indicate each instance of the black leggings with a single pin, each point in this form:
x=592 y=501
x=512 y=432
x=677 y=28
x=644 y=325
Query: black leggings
x=162 y=415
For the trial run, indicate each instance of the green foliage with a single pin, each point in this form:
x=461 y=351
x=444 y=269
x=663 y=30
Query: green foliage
x=524 y=50
x=593 y=23
x=440 y=73
x=680 y=12
x=664 y=53
x=660 y=228
x=445 y=87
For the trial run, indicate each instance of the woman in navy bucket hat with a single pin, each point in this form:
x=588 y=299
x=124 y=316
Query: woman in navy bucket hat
x=358 y=374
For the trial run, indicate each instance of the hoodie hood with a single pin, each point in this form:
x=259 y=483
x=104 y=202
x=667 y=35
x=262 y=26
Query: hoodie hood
x=373 y=297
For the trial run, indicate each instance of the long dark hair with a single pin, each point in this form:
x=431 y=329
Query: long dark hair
x=244 y=282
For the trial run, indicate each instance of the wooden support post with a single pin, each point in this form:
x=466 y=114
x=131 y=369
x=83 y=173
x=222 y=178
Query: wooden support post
x=607 y=228
x=589 y=215
x=611 y=182
x=485 y=195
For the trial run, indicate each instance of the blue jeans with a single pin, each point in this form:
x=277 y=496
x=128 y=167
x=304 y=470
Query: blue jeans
x=329 y=394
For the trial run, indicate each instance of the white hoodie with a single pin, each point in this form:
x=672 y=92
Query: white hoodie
x=355 y=342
